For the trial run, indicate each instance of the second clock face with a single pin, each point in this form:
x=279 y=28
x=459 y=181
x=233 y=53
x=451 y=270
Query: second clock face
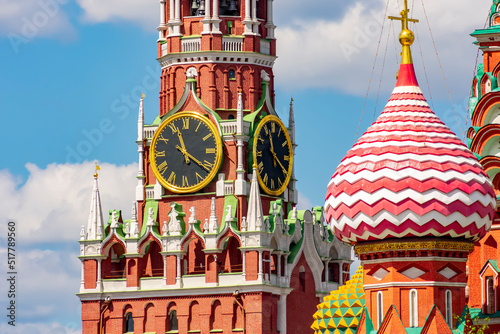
x=186 y=152
x=273 y=155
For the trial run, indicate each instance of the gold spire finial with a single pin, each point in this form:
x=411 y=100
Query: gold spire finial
x=406 y=36
x=97 y=167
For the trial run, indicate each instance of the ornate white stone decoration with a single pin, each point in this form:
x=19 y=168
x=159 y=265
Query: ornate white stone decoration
x=265 y=76
x=151 y=222
x=114 y=220
x=127 y=231
x=213 y=224
x=174 y=226
x=244 y=224
x=134 y=224
x=192 y=218
x=229 y=214
x=165 y=229
x=191 y=73
x=205 y=227
x=82 y=233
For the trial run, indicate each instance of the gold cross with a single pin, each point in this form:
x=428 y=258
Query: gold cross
x=404 y=17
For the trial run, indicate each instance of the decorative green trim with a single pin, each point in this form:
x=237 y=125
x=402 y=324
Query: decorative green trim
x=150 y=203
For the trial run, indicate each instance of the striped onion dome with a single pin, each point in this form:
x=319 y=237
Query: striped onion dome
x=409 y=175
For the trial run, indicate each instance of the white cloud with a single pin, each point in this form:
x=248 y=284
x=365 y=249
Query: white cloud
x=38 y=328
x=338 y=53
x=54 y=202
x=23 y=21
x=144 y=13
x=304 y=202
x=45 y=280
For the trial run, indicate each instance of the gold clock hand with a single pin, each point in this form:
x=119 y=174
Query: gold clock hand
x=186 y=153
x=272 y=150
x=283 y=168
x=182 y=144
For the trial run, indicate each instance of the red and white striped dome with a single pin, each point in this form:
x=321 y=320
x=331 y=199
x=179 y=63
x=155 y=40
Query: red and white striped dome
x=409 y=176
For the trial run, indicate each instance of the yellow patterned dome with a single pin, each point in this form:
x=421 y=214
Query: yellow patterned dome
x=340 y=312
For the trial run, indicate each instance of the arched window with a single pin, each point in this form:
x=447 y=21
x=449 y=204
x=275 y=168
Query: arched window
x=216 y=316
x=302 y=279
x=448 y=308
x=149 y=318
x=490 y=295
x=232 y=75
x=129 y=323
x=173 y=325
x=194 y=319
x=380 y=309
x=237 y=317
x=487 y=86
x=413 y=308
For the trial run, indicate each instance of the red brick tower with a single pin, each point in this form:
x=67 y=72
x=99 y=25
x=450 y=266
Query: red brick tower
x=214 y=243
x=483 y=281
x=411 y=198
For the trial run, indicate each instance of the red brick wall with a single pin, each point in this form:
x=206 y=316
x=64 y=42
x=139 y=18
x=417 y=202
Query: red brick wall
x=301 y=302
x=200 y=312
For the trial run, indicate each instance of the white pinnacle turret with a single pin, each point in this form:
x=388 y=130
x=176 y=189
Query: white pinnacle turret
x=240 y=184
x=139 y=190
x=95 y=223
x=255 y=213
x=213 y=224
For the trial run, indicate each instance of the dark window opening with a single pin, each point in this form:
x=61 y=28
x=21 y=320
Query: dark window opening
x=229 y=8
x=129 y=323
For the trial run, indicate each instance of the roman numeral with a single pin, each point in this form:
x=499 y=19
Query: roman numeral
x=185 y=181
x=160 y=153
x=284 y=144
x=261 y=140
x=207 y=136
x=273 y=127
x=199 y=123
x=266 y=130
x=210 y=151
x=172 y=127
x=272 y=184
x=185 y=123
x=164 y=139
x=260 y=167
x=286 y=158
x=265 y=178
x=279 y=132
x=171 y=178
x=259 y=153
x=162 y=167
x=199 y=178
x=207 y=164
x=280 y=184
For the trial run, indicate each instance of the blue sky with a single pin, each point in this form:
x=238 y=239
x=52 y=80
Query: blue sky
x=71 y=73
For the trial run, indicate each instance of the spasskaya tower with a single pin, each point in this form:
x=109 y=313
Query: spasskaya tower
x=214 y=242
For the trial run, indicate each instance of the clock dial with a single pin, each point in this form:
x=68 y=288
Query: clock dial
x=186 y=152
x=273 y=155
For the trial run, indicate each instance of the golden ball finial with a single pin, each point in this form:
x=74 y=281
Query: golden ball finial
x=406 y=37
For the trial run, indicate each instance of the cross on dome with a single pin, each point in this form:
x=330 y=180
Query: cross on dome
x=406 y=36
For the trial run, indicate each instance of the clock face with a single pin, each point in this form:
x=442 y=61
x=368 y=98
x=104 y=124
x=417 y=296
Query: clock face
x=273 y=155
x=186 y=152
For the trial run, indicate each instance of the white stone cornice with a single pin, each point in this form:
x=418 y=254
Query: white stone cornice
x=220 y=57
